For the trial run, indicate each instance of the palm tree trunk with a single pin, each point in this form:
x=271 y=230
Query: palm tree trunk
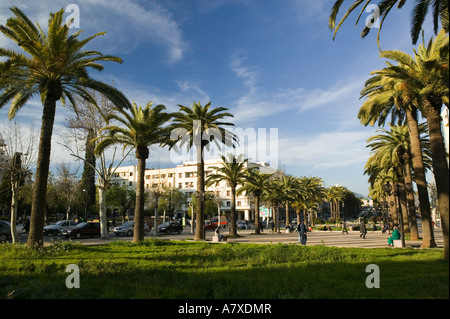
x=404 y=208
x=36 y=234
x=440 y=169
x=287 y=213
x=411 y=212
x=420 y=179
x=141 y=155
x=200 y=227
x=257 y=224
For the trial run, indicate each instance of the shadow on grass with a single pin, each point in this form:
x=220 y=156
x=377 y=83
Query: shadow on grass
x=168 y=270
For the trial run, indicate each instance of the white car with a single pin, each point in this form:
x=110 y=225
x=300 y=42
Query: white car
x=58 y=227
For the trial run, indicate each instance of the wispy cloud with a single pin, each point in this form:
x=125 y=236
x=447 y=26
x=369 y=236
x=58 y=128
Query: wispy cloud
x=326 y=150
x=127 y=22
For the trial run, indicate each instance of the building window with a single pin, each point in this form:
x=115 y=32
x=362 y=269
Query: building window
x=170 y=175
x=131 y=184
x=228 y=204
x=238 y=203
x=180 y=185
x=228 y=193
x=147 y=176
x=131 y=173
x=180 y=175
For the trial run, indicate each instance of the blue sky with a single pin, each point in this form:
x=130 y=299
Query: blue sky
x=274 y=64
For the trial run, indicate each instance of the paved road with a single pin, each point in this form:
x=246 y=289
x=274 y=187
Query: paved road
x=315 y=238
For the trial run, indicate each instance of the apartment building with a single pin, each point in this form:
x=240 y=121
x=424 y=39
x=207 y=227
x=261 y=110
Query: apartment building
x=184 y=177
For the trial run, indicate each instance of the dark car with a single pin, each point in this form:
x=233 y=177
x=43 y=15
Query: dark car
x=85 y=229
x=5 y=231
x=58 y=227
x=170 y=227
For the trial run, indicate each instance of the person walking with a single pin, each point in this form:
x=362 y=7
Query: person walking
x=362 y=229
x=344 y=227
x=302 y=233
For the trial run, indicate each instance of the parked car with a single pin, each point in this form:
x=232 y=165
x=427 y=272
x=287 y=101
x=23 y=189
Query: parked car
x=243 y=225
x=127 y=229
x=5 y=231
x=170 y=227
x=58 y=227
x=84 y=229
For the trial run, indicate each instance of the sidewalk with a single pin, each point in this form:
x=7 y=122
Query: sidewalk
x=326 y=238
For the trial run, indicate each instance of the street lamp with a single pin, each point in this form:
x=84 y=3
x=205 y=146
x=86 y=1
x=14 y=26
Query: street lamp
x=191 y=205
x=397 y=190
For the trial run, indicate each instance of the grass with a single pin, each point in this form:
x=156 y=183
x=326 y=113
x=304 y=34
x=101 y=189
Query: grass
x=198 y=270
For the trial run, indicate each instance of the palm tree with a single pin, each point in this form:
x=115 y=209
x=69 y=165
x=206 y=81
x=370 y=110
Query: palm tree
x=199 y=126
x=287 y=185
x=233 y=171
x=427 y=74
x=395 y=97
x=395 y=145
x=142 y=127
x=440 y=12
x=255 y=183
x=54 y=66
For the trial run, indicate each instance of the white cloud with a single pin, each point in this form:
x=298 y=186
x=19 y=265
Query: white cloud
x=326 y=150
x=128 y=24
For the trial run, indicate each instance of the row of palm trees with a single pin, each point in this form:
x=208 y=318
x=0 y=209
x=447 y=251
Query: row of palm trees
x=416 y=85
x=304 y=194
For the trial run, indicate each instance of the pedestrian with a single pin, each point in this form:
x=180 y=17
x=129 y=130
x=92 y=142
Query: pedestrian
x=344 y=228
x=362 y=229
x=395 y=236
x=302 y=233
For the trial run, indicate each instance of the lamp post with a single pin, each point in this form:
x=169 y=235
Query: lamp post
x=384 y=206
x=397 y=191
x=191 y=205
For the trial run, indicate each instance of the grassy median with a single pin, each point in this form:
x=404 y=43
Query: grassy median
x=198 y=270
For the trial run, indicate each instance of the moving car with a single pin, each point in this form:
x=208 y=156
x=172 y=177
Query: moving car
x=127 y=229
x=170 y=227
x=85 y=229
x=58 y=227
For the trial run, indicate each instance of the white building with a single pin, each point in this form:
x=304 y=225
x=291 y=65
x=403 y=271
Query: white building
x=184 y=177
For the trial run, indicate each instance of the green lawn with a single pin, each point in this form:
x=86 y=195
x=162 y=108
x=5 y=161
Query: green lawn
x=198 y=270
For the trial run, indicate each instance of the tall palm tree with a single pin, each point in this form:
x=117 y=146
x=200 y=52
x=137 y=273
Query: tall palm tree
x=141 y=128
x=255 y=183
x=234 y=171
x=427 y=75
x=199 y=126
x=54 y=66
x=287 y=184
x=395 y=145
x=440 y=12
x=395 y=97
